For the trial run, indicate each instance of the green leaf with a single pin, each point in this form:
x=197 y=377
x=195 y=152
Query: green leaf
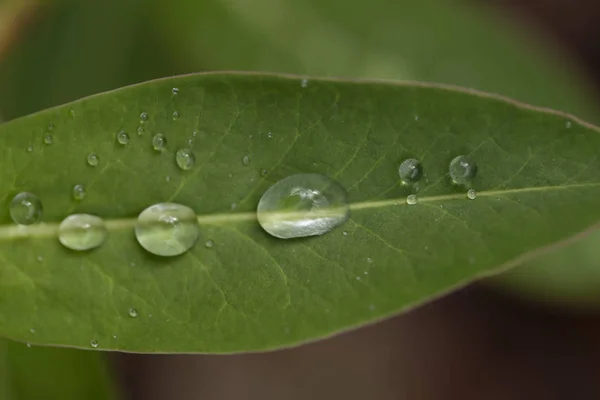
x=537 y=184
x=46 y=373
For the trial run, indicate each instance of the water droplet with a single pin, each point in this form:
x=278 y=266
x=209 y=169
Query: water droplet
x=167 y=229
x=159 y=142
x=93 y=159
x=246 y=160
x=122 y=138
x=143 y=117
x=175 y=115
x=471 y=194
x=94 y=343
x=175 y=90
x=462 y=170
x=366 y=272
x=50 y=126
x=40 y=259
x=72 y=113
x=416 y=117
x=233 y=206
x=26 y=209
x=369 y=260
x=168 y=178
x=185 y=159
x=304 y=83
x=303 y=205
x=358 y=278
x=140 y=130
x=568 y=124
x=32 y=330
x=82 y=232
x=345 y=233
x=411 y=199
x=79 y=192
x=28 y=344
x=191 y=143
x=411 y=171
x=133 y=313
x=29 y=149
x=270 y=135
x=264 y=172
x=209 y=244
x=48 y=140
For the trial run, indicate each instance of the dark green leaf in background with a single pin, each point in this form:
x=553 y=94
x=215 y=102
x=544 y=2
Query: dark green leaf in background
x=537 y=185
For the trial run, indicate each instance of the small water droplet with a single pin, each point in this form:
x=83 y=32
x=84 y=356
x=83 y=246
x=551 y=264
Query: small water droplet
x=345 y=233
x=366 y=272
x=472 y=194
x=82 y=232
x=29 y=149
x=26 y=209
x=94 y=343
x=122 y=138
x=410 y=170
x=28 y=344
x=133 y=313
x=246 y=160
x=358 y=278
x=303 y=205
x=411 y=199
x=40 y=259
x=168 y=178
x=72 y=113
x=191 y=143
x=185 y=159
x=462 y=170
x=93 y=159
x=175 y=115
x=369 y=260
x=140 y=130
x=32 y=330
x=233 y=206
x=175 y=90
x=209 y=244
x=51 y=126
x=371 y=307
x=79 y=192
x=568 y=124
x=264 y=172
x=114 y=336
x=167 y=229
x=143 y=117
x=416 y=117
x=270 y=135
x=304 y=83
x=159 y=142
x=48 y=140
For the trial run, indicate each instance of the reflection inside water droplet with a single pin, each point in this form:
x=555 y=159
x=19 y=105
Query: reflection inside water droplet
x=303 y=205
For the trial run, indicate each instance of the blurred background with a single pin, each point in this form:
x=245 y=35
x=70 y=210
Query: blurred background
x=532 y=333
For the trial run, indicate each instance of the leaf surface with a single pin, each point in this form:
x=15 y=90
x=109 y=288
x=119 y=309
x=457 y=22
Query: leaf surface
x=537 y=184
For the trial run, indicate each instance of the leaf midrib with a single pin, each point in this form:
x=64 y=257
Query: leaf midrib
x=47 y=230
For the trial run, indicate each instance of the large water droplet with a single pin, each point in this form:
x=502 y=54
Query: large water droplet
x=303 y=205
x=93 y=159
x=471 y=194
x=159 y=142
x=167 y=229
x=48 y=139
x=411 y=199
x=26 y=209
x=122 y=138
x=82 y=232
x=79 y=192
x=185 y=159
x=462 y=170
x=410 y=171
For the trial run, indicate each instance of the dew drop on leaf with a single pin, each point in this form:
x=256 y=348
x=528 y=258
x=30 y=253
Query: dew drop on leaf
x=209 y=244
x=185 y=159
x=175 y=115
x=303 y=205
x=72 y=113
x=462 y=170
x=82 y=232
x=29 y=149
x=94 y=343
x=175 y=90
x=93 y=159
x=410 y=171
x=50 y=126
x=246 y=160
x=264 y=172
x=79 y=192
x=304 y=83
x=123 y=138
x=159 y=142
x=411 y=199
x=472 y=194
x=140 y=130
x=48 y=139
x=26 y=209
x=144 y=117
x=133 y=313
x=167 y=229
